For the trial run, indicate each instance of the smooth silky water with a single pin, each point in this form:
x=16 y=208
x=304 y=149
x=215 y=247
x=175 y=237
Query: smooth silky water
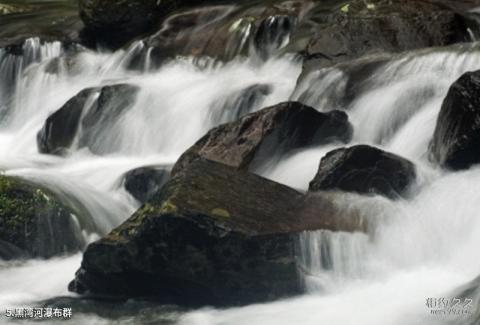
x=420 y=247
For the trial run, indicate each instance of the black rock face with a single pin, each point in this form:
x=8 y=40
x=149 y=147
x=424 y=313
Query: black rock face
x=212 y=235
x=272 y=130
x=456 y=141
x=364 y=169
x=59 y=131
x=93 y=110
x=116 y=21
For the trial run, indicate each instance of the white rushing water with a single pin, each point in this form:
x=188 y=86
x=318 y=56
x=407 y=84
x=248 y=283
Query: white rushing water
x=422 y=247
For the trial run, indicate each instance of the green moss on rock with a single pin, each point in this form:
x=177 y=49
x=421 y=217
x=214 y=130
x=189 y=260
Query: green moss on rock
x=33 y=222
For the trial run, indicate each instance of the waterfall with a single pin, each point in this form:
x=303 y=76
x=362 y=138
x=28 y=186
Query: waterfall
x=374 y=279
x=350 y=278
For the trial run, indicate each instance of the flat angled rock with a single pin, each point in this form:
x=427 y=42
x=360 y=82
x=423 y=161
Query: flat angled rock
x=213 y=235
x=255 y=137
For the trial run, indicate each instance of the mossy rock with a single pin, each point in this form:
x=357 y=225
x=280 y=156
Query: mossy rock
x=33 y=222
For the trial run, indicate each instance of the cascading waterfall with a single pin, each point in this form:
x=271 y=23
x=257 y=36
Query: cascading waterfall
x=350 y=278
x=175 y=106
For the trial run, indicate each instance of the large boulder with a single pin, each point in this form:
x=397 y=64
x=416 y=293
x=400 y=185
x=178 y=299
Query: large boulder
x=212 y=235
x=34 y=222
x=93 y=110
x=355 y=28
x=144 y=182
x=276 y=129
x=456 y=141
x=366 y=170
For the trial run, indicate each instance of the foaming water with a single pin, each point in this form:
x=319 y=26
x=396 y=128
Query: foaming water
x=24 y=283
x=420 y=247
x=175 y=105
x=423 y=248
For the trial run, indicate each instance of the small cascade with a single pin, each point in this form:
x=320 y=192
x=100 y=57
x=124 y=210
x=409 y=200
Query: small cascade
x=392 y=102
x=14 y=61
x=272 y=35
x=326 y=258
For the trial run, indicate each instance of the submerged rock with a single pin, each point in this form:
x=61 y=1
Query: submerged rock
x=364 y=169
x=456 y=141
x=33 y=222
x=144 y=182
x=91 y=111
x=212 y=235
x=272 y=130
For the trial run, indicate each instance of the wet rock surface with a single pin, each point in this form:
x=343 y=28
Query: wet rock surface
x=366 y=170
x=456 y=140
x=33 y=222
x=356 y=28
x=85 y=117
x=53 y=20
x=272 y=130
x=213 y=235
x=114 y=22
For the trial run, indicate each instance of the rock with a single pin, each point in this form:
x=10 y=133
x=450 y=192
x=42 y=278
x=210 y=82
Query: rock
x=94 y=109
x=212 y=235
x=59 y=131
x=366 y=170
x=227 y=30
x=276 y=129
x=456 y=140
x=122 y=19
x=144 y=182
x=47 y=20
x=358 y=28
x=34 y=223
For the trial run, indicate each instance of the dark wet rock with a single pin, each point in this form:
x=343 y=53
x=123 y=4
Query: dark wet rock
x=121 y=19
x=33 y=222
x=212 y=235
x=144 y=182
x=364 y=169
x=356 y=28
x=59 y=131
x=456 y=140
x=93 y=110
x=273 y=130
x=55 y=20
x=226 y=30
x=116 y=22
